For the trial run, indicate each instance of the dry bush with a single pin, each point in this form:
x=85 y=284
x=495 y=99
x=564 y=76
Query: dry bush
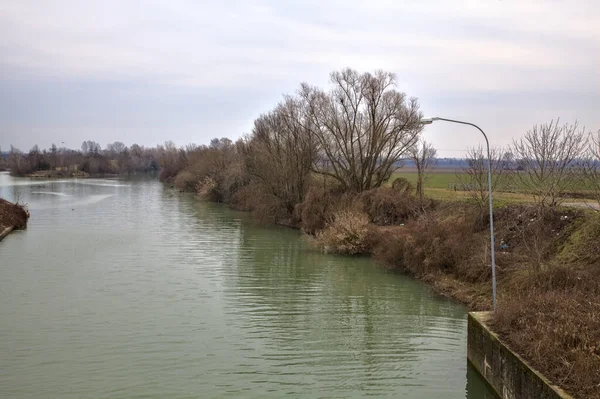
x=552 y=318
x=270 y=209
x=348 y=233
x=402 y=184
x=172 y=161
x=265 y=207
x=233 y=179
x=455 y=239
x=437 y=243
x=448 y=246
x=244 y=199
x=216 y=171
x=384 y=205
x=12 y=215
x=389 y=245
x=206 y=189
x=389 y=205
x=549 y=312
x=185 y=181
x=318 y=208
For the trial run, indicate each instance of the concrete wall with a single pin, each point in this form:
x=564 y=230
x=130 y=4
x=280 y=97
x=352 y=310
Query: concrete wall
x=505 y=371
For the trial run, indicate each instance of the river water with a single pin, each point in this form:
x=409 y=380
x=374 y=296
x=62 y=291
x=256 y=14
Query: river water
x=127 y=289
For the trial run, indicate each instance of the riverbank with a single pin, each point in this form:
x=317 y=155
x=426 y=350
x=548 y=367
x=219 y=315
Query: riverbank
x=12 y=216
x=51 y=174
x=54 y=174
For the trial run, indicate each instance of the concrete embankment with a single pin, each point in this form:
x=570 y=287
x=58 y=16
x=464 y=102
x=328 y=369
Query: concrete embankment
x=506 y=372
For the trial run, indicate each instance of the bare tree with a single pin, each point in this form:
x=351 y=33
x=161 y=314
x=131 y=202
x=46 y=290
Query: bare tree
x=423 y=155
x=362 y=127
x=473 y=177
x=548 y=154
x=53 y=155
x=591 y=166
x=281 y=152
x=90 y=147
x=116 y=148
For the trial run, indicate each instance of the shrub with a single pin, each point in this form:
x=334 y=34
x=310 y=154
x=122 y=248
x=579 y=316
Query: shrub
x=318 y=208
x=348 y=233
x=557 y=309
x=12 y=215
x=244 y=199
x=207 y=189
x=265 y=207
x=434 y=243
x=186 y=181
x=402 y=184
x=388 y=205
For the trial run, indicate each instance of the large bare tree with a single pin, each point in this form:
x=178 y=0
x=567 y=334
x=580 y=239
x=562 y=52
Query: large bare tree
x=423 y=155
x=548 y=154
x=363 y=126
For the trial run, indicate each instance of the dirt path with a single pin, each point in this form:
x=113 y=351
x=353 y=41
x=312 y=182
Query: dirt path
x=583 y=205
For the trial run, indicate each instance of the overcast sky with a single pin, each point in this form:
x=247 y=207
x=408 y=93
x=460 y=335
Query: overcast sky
x=185 y=70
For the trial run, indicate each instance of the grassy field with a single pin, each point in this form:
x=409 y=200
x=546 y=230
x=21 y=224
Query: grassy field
x=436 y=179
x=438 y=182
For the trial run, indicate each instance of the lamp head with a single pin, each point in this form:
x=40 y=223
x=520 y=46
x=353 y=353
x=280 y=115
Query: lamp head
x=428 y=121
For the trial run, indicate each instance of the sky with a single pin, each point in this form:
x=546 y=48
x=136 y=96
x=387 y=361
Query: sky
x=187 y=70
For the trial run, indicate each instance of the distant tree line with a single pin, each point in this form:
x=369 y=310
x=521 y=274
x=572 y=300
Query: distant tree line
x=117 y=158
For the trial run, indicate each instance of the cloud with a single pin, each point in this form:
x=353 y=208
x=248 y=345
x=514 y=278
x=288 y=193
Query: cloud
x=244 y=55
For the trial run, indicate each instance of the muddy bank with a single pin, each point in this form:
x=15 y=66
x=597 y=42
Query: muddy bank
x=12 y=216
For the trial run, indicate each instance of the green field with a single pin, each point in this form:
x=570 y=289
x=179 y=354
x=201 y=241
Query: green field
x=434 y=179
x=437 y=186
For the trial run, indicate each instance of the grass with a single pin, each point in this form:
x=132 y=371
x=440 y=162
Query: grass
x=434 y=179
x=436 y=186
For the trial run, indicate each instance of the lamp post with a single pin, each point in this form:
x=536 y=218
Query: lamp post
x=427 y=121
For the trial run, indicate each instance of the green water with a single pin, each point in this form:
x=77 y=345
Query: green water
x=126 y=289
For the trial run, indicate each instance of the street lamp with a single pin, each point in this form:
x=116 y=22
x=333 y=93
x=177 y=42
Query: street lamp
x=428 y=121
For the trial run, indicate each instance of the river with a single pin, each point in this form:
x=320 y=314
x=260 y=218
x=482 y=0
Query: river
x=128 y=289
